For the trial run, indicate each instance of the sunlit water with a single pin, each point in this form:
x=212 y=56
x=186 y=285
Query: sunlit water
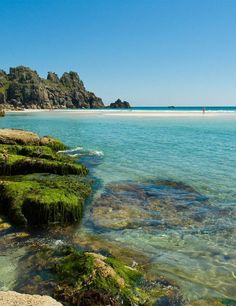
x=197 y=151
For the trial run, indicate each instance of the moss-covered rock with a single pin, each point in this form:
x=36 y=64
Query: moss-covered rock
x=43 y=151
x=91 y=279
x=17 y=164
x=30 y=200
x=39 y=199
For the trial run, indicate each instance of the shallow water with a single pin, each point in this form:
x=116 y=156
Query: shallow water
x=198 y=152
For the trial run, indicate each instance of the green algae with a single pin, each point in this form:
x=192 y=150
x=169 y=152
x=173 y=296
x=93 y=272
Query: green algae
x=16 y=164
x=88 y=278
x=40 y=186
x=54 y=143
x=43 y=151
x=29 y=201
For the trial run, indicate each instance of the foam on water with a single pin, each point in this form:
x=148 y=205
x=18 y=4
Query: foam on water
x=80 y=151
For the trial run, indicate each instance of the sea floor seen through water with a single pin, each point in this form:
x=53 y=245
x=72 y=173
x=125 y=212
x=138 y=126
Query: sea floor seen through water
x=165 y=190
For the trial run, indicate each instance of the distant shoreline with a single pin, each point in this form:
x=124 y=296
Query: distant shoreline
x=131 y=112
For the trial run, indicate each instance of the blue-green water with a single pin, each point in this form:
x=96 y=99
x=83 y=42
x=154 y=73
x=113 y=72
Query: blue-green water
x=188 y=108
x=197 y=151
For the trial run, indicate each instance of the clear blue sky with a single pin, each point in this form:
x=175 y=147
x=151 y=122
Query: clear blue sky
x=149 y=52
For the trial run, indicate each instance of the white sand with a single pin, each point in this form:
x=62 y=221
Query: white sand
x=132 y=113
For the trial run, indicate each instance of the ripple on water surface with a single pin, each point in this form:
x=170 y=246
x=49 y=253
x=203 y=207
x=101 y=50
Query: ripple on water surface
x=183 y=233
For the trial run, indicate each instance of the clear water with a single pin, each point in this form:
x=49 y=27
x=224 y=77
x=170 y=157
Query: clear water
x=197 y=151
x=188 y=108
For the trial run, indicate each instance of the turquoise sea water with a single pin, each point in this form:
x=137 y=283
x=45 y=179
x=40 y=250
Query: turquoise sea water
x=188 y=108
x=200 y=152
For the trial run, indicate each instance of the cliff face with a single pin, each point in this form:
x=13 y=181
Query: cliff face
x=23 y=88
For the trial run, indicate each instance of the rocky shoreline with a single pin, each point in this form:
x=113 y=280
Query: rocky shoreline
x=38 y=185
x=43 y=188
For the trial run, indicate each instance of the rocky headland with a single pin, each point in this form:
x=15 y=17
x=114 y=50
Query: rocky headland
x=23 y=88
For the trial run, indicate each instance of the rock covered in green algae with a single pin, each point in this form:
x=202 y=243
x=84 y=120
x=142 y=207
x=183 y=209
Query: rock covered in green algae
x=16 y=164
x=49 y=199
x=39 y=199
x=89 y=279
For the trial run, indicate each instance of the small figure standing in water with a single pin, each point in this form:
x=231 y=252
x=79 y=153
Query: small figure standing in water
x=203 y=110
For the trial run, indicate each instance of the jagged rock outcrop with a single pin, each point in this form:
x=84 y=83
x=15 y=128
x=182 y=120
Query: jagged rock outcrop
x=120 y=104
x=53 y=77
x=24 y=88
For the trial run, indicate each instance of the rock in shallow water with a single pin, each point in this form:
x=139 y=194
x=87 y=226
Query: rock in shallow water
x=57 y=195
x=91 y=279
x=156 y=205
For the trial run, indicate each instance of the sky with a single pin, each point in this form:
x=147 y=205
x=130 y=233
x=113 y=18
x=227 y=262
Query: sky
x=148 y=52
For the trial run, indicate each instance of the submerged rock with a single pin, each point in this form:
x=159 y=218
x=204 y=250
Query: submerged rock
x=56 y=196
x=153 y=205
x=12 y=298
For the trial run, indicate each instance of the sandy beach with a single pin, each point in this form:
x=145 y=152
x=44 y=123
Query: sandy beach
x=131 y=113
